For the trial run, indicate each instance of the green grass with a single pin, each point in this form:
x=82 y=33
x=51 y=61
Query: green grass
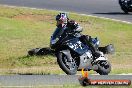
x=23 y=29
x=78 y=86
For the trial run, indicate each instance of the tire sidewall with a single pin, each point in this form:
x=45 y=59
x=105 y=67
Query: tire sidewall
x=62 y=65
x=103 y=71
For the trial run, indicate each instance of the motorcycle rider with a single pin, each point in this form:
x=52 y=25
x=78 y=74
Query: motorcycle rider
x=65 y=25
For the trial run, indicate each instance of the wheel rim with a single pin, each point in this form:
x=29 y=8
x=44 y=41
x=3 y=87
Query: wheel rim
x=71 y=65
x=104 y=64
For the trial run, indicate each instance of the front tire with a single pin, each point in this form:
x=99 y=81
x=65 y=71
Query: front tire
x=104 y=67
x=70 y=68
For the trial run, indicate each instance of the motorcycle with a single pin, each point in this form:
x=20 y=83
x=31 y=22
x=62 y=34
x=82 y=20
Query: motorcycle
x=126 y=5
x=73 y=55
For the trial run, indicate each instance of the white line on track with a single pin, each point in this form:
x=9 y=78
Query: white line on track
x=98 y=74
x=108 y=18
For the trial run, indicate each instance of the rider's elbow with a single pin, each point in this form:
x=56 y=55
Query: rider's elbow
x=79 y=29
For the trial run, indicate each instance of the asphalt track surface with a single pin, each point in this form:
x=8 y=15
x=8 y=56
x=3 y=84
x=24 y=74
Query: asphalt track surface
x=40 y=80
x=101 y=8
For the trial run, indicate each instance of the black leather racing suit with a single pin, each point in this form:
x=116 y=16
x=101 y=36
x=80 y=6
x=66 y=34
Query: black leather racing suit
x=71 y=26
x=61 y=30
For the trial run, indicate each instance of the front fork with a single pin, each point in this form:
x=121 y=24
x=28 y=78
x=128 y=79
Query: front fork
x=68 y=54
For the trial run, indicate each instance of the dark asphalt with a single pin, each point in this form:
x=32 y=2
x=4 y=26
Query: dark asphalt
x=35 y=80
x=103 y=8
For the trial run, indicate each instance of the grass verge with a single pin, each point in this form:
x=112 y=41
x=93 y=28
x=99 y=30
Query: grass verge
x=22 y=29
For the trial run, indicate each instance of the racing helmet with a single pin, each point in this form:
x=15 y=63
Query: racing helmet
x=62 y=17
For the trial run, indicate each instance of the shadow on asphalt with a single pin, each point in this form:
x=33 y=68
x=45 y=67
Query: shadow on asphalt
x=114 y=13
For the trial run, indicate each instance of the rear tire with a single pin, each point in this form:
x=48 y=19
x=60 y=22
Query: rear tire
x=125 y=10
x=104 y=67
x=123 y=7
x=61 y=58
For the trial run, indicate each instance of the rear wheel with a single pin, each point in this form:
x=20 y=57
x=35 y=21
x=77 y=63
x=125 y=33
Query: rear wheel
x=104 y=67
x=123 y=6
x=125 y=10
x=69 y=67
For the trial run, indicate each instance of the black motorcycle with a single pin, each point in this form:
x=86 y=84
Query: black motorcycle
x=126 y=5
x=73 y=55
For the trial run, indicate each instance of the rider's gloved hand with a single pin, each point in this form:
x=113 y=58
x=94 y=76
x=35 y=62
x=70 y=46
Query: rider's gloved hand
x=53 y=43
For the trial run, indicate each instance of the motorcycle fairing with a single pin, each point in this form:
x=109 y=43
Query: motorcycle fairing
x=76 y=45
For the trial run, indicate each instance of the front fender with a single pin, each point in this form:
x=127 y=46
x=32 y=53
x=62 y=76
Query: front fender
x=67 y=53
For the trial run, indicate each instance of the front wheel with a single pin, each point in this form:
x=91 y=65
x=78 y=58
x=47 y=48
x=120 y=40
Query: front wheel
x=69 y=67
x=104 y=67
